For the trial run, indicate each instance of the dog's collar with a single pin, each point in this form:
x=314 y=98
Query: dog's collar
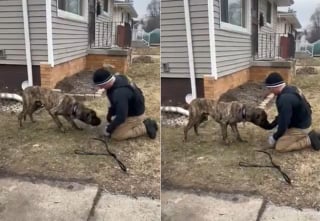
x=74 y=109
x=244 y=113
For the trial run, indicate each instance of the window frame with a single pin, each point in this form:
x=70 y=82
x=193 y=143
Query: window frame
x=271 y=13
x=73 y=16
x=235 y=28
x=106 y=13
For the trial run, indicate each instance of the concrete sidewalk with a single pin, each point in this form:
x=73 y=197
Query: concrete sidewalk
x=67 y=201
x=180 y=206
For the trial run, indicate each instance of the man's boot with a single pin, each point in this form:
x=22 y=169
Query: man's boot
x=315 y=141
x=152 y=127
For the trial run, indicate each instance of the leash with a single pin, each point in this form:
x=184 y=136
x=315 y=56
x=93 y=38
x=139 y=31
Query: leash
x=122 y=166
x=273 y=165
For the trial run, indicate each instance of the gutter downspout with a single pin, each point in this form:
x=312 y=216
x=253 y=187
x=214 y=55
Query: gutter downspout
x=212 y=40
x=49 y=32
x=27 y=41
x=190 y=48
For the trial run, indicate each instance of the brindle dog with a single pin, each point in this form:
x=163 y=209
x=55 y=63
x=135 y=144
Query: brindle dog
x=225 y=113
x=56 y=104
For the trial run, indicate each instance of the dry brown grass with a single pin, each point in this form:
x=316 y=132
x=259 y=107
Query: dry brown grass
x=204 y=163
x=40 y=150
x=146 y=51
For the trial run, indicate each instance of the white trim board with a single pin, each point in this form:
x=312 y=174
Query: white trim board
x=27 y=41
x=49 y=33
x=213 y=60
x=190 y=48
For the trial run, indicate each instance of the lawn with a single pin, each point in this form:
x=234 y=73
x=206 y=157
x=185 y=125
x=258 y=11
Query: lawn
x=204 y=163
x=40 y=150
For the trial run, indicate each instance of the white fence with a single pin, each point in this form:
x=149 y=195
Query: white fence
x=304 y=46
x=137 y=35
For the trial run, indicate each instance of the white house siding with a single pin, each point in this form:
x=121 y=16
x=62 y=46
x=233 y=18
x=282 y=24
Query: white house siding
x=38 y=31
x=233 y=49
x=12 y=32
x=70 y=38
x=121 y=15
x=267 y=40
x=174 y=48
x=200 y=37
x=105 y=28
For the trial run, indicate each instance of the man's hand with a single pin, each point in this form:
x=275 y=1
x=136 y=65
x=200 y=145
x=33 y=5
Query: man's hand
x=108 y=117
x=106 y=133
x=271 y=140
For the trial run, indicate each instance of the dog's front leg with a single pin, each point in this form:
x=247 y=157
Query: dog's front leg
x=224 y=132
x=235 y=130
x=57 y=121
x=74 y=125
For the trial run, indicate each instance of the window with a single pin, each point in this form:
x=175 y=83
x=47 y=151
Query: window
x=73 y=6
x=106 y=5
x=269 y=8
x=234 y=12
x=76 y=10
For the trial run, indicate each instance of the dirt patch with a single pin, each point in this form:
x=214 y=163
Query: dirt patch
x=250 y=93
x=80 y=83
x=306 y=70
x=41 y=150
x=142 y=59
x=204 y=163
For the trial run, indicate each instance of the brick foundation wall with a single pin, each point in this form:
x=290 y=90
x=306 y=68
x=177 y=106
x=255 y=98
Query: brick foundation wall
x=258 y=74
x=50 y=76
x=95 y=61
x=213 y=89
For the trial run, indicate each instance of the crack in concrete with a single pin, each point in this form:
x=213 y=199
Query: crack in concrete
x=262 y=209
x=95 y=203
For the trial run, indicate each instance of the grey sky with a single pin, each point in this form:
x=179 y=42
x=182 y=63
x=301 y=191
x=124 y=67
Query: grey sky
x=305 y=9
x=141 y=7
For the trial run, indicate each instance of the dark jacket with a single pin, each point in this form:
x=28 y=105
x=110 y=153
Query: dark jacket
x=294 y=111
x=124 y=101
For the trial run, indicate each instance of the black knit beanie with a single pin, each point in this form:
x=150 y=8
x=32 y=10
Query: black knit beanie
x=273 y=80
x=101 y=76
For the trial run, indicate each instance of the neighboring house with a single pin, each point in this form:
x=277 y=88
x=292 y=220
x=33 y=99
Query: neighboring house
x=210 y=46
x=288 y=24
x=44 y=41
x=303 y=47
x=124 y=12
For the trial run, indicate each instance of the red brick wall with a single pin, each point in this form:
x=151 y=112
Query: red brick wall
x=95 y=61
x=213 y=89
x=50 y=76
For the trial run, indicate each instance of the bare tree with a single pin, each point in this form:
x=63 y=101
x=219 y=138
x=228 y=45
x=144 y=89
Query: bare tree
x=153 y=19
x=153 y=8
x=314 y=32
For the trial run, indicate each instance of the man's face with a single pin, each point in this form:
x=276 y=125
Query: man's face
x=274 y=90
